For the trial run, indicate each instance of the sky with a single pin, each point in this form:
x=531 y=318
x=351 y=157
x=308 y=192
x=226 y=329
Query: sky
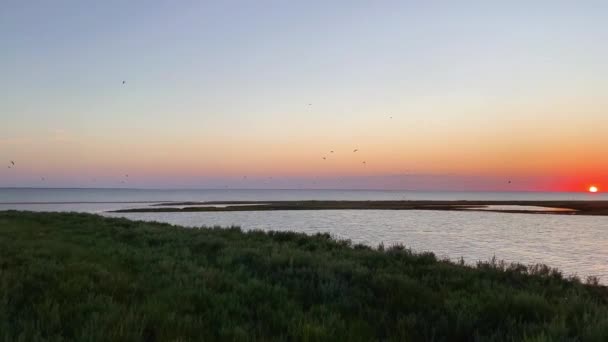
x=434 y=95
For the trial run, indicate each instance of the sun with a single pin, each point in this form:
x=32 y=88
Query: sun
x=593 y=189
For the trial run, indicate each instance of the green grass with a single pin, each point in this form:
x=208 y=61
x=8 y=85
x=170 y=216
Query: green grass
x=87 y=278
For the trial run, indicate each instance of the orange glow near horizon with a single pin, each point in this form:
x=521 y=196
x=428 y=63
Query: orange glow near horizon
x=407 y=154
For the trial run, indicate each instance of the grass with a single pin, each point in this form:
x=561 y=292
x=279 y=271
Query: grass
x=87 y=278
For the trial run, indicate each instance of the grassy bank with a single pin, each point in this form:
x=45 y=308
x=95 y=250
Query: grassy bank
x=87 y=278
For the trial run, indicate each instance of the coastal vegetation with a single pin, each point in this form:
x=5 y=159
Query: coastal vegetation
x=83 y=277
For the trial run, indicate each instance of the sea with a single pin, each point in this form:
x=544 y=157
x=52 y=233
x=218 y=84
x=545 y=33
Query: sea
x=577 y=245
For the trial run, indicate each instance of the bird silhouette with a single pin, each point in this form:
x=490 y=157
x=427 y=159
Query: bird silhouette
x=124 y=82
x=12 y=162
x=331 y=151
x=364 y=163
x=324 y=158
x=355 y=150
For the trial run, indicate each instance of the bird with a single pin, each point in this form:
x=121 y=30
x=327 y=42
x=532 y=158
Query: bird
x=355 y=150
x=509 y=182
x=9 y=166
x=331 y=151
x=12 y=162
x=364 y=163
x=324 y=158
x=127 y=175
x=124 y=82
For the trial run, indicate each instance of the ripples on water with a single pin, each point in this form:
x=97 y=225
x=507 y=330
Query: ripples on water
x=574 y=244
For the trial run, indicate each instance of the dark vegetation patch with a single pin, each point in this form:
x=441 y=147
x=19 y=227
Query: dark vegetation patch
x=575 y=207
x=87 y=278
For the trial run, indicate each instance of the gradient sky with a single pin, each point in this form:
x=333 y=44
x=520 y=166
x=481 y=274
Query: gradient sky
x=479 y=92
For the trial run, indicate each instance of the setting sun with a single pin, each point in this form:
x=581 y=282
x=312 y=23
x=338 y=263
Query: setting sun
x=593 y=189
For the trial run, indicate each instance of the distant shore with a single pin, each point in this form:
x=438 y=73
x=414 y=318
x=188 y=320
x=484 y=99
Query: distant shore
x=596 y=208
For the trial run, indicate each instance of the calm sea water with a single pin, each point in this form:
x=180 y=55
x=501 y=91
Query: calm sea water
x=8 y=195
x=575 y=244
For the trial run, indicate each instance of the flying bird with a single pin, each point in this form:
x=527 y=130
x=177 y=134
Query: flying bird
x=355 y=150
x=124 y=82
x=12 y=162
x=364 y=163
x=331 y=151
x=324 y=158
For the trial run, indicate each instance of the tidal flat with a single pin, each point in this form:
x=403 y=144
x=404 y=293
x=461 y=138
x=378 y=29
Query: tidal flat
x=529 y=207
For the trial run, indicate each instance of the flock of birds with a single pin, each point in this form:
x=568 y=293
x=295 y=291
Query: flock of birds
x=354 y=151
x=126 y=176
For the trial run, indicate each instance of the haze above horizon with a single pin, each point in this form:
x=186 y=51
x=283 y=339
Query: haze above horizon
x=471 y=96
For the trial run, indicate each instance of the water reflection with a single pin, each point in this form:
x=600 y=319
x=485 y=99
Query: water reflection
x=575 y=244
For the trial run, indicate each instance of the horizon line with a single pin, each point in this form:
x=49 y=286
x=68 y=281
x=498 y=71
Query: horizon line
x=280 y=189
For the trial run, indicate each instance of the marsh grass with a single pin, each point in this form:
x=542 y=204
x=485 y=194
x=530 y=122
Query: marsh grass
x=87 y=278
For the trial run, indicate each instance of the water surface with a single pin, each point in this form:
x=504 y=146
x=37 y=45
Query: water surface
x=575 y=244
x=21 y=195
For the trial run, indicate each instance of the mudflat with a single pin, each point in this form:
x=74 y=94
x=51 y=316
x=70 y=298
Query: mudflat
x=529 y=207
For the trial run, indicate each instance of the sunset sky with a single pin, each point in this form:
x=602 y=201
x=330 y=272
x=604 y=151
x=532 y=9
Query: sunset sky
x=435 y=95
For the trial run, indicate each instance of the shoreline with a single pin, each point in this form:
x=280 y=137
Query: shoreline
x=125 y=280
x=577 y=207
